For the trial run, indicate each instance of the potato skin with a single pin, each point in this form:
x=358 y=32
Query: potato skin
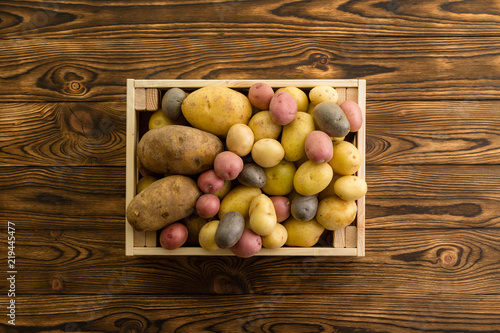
x=319 y=147
x=207 y=205
x=311 y=178
x=302 y=233
x=228 y=165
x=163 y=202
x=275 y=239
x=179 y=150
x=173 y=236
x=294 y=136
x=354 y=115
x=171 y=103
x=215 y=109
x=335 y=213
x=346 y=158
x=329 y=118
x=249 y=244
x=283 y=108
x=252 y=175
x=230 y=229
x=263 y=126
x=260 y=95
x=304 y=208
x=350 y=187
x=238 y=199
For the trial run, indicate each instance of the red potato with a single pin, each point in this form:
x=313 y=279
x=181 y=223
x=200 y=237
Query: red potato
x=353 y=114
x=209 y=182
x=281 y=206
x=260 y=95
x=173 y=236
x=207 y=205
x=319 y=147
x=249 y=244
x=228 y=165
x=283 y=108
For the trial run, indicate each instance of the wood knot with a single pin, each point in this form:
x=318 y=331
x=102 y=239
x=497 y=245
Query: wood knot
x=131 y=326
x=81 y=122
x=448 y=257
x=56 y=234
x=225 y=285
x=68 y=80
x=57 y=284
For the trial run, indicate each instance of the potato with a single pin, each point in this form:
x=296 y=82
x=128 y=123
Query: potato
x=281 y=207
x=215 y=109
x=230 y=229
x=335 y=213
x=207 y=206
x=276 y=239
x=283 y=108
x=318 y=147
x=240 y=139
x=267 y=152
x=304 y=208
x=226 y=188
x=238 y=199
x=248 y=245
x=252 y=175
x=312 y=178
x=209 y=182
x=206 y=237
x=145 y=182
x=298 y=95
x=260 y=95
x=179 y=150
x=350 y=187
x=353 y=113
x=193 y=223
x=163 y=202
x=330 y=119
x=158 y=120
x=171 y=103
x=228 y=165
x=263 y=126
x=320 y=94
x=346 y=158
x=262 y=215
x=294 y=136
x=279 y=179
x=329 y=191
x=173 y=236
x=302 y=233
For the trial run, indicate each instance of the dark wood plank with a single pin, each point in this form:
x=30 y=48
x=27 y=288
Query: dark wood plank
x=121 y=19
x=400 y=197
x=274 y=313
x=97 y=69
x=88 y=261
x=62 y=134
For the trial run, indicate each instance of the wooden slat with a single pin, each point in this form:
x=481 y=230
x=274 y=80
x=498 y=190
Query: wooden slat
x=64 y=19
x=351 y=237
x=339 y=238
x=97 y=69
x=435 y=261
x=152 y=99
x=140 y=99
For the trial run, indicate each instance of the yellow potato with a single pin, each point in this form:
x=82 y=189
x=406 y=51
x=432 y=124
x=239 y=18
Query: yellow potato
x=311 y=178
x=224 y=190
x=294 y=136
x=329 y=190
x=238 y=199
x=276 y=239
x=263 y=218
x=334 y=213
x=158 y=120
x=264 y=127
x=346 y=158
x=216 y=108
x=206 y=237
x=302 y=233
x=350 y=187
x=298 y=95
x=279 y=179
x=240 y=139
x=267 y=152
x=145 y=182
x=323 y=94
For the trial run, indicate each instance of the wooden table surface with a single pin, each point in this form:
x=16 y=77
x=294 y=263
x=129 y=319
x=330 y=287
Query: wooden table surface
x=433 y=152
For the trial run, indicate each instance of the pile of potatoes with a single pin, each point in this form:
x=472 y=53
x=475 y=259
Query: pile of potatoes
x=242 y=170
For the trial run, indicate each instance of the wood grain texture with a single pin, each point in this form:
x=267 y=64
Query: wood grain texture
x=274 y=313
x=134 y=19
x=395 y=68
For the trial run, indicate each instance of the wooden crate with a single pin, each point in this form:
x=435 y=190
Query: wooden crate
x=145 y=95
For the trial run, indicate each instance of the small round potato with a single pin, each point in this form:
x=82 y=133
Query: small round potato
x=294 y=136
x=312 y=178
x=304 y=208
x=238 y=199
x=193 y=223
x=275 y=239
x=209 y=182
x=252 y=175
x=173 y=236
x=283 y=108
x=240 y=139
x=330 y=119
x=207 y=206
x=171 y=103
x=319 y=147
x=335 y=213
x=262 y=215
x=267 y=152
x=279 y=179
x=350 y=187
x=354 y=115
x=281 y=206
x=248 y=245
x=298 y=95
x=302 y=233
x=320 y=94
x=263 y=126
x=228 y=165
x=230 y=229
x=260 y=95
x=346 y=158
x=206 y=237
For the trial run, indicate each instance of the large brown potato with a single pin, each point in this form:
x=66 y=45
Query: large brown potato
x=163 y=202
x=180 y=150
